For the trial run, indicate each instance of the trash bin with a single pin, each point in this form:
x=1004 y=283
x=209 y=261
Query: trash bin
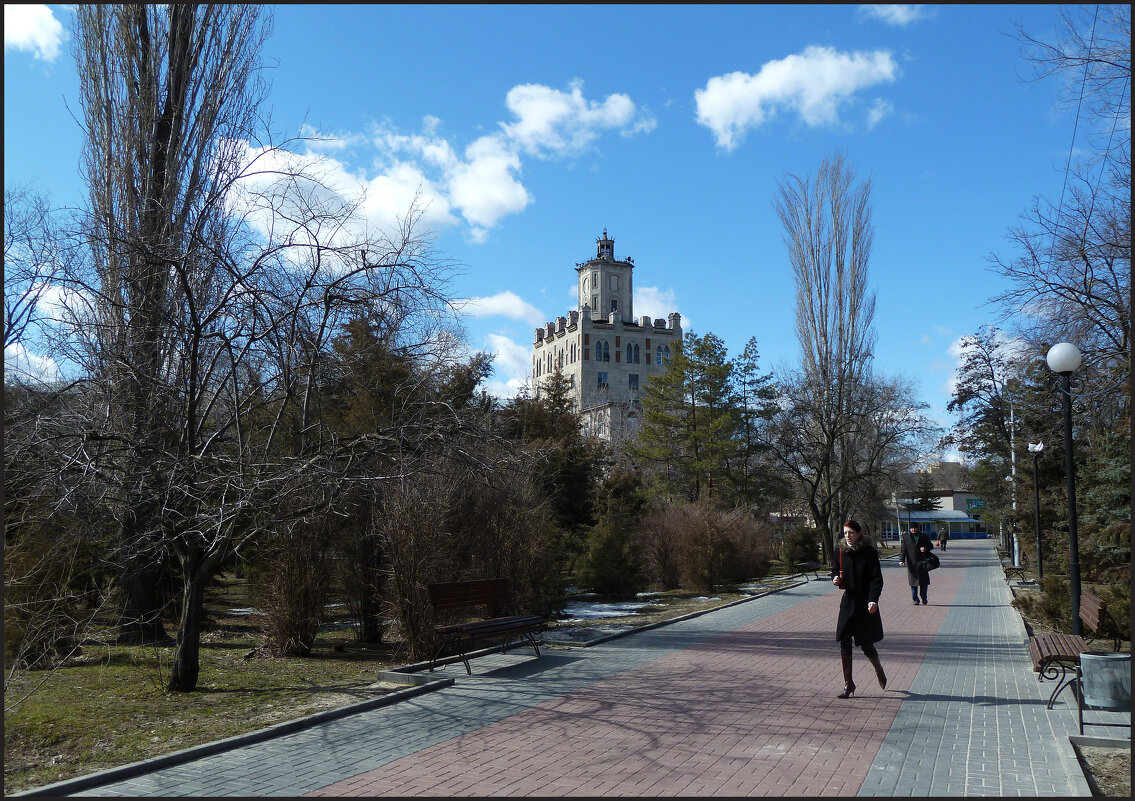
x=1107 y=680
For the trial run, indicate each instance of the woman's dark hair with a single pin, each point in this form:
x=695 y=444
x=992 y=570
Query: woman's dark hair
x=851 y=524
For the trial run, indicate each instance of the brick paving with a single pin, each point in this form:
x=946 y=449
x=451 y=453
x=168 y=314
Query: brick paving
x=736 y=702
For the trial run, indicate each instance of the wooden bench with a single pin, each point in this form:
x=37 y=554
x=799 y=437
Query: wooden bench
x=810 y=567
x=493 y=595
x=1056 y=655
x=1016 y=572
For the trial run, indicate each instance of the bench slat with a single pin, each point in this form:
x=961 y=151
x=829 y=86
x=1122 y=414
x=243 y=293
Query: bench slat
x=469 y=595
x=1056 y=646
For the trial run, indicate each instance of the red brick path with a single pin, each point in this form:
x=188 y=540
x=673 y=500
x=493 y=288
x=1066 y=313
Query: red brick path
x=749 y=712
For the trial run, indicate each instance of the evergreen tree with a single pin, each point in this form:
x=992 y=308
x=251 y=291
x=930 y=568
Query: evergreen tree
x=751 y=479
x=573 y=463
x=689 y=416
x=612 y=565
x=924 y=498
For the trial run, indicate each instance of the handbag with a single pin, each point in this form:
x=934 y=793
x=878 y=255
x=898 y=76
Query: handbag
x=930 y=559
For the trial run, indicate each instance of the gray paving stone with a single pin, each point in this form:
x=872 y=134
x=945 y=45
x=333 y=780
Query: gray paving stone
x=973 y=722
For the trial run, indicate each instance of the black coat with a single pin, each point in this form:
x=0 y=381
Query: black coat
x=863 y=579
x=916 y=572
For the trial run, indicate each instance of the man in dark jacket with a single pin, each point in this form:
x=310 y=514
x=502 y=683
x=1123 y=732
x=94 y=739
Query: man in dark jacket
x=915 y=546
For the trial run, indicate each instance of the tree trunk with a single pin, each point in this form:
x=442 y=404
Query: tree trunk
x=186 y=662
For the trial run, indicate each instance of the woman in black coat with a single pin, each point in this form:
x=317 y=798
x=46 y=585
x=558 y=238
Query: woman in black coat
x=913 y=554
x=857 y=571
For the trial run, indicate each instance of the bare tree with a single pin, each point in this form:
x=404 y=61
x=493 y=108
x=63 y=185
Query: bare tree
x=828 y=232
x=168 y=93
x=35 y=249
x=1070 y=279
x=1091 y=52
x=220 y=270
x=884 y=433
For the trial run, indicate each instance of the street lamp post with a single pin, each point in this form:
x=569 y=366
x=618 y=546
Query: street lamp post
x=1063 y=359
x=1035 y=451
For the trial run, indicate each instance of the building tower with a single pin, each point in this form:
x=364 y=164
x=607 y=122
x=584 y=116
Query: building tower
x=604 y=352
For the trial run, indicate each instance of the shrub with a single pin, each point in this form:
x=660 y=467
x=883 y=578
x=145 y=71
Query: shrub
x=1118 y=600
x=465 y=523
x=290 y=589
x=658 y=537
x=699 y=547
x=800 y=545
x=52 y=594
x=1052 y=605
x=612 y=564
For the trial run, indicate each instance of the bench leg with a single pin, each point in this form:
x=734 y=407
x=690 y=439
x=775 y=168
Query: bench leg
x=1078 y=689
x=463 y=648
x=1067 y=678
x=460 y=648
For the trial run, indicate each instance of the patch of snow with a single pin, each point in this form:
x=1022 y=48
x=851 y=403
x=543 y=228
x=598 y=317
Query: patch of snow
x=590 y=610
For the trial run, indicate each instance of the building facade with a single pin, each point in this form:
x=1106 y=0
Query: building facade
x=604 y=352
x=959 y=513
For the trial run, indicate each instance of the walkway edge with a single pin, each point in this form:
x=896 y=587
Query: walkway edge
x=122 y=772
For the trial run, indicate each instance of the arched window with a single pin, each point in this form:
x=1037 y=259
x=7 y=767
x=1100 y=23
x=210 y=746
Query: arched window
x=571 y=354
x=666 y=355
x=632 y=353
x=658 y=356
x=602 y=351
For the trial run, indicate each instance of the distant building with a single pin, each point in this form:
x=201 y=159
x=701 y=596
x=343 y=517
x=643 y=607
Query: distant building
x=606 y=354
x=960 y=510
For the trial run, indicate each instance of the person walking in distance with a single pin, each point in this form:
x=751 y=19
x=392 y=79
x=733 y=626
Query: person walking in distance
x=943 y=538
x=915 y=545
x=856 y=571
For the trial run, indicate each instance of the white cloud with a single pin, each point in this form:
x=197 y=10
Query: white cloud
x=503 y=304
x=814 y=84
x=894 y=14
x=511 y=367
x=479 y=186
x=33 y=28
x=23 y=366
x=484 y=186
x=483 y=183
x=59 y=304
x=554 y=123
x=879 y=110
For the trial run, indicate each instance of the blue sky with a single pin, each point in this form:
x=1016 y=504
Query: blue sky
x=531 y=129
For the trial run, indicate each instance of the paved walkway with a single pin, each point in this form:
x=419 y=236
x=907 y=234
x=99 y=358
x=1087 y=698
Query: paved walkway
x=739 y=701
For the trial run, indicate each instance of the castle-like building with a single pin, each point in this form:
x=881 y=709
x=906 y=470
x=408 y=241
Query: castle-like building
x=605 y=354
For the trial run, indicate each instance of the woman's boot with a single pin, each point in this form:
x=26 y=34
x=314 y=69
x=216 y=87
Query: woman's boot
x=848 y=684
x=879 y=674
